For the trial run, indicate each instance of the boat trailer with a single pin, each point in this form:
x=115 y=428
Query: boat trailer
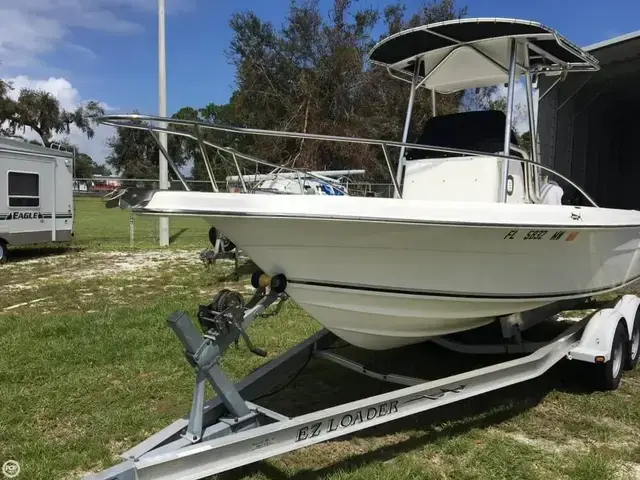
x=222 y=248
x=230 y=430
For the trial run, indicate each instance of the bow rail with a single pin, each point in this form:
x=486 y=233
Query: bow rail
x=156 y=124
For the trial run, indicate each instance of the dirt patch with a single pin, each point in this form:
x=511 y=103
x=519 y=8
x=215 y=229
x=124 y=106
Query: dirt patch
x=121 y=277
x=618 y=426
x=78 y=474
x=22 y=304
x=117 y=262
x=27 y=274
x=547 y=446
x=629 y=471
x=568 y=445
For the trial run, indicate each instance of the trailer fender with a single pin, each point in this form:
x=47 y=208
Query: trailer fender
x=597 y=337
x=628 y=307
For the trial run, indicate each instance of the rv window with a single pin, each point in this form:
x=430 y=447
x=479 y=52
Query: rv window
x=24 y=189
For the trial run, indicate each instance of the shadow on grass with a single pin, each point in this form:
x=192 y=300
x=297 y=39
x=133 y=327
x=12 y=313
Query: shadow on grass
x=245 y=267
x=459 y=426
x=323 y=385
x=24 y=253
x=177 y=235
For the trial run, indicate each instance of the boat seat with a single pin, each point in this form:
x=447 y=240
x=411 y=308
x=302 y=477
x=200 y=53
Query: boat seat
x=480 y=131
x=438 y=176
x=551 y=193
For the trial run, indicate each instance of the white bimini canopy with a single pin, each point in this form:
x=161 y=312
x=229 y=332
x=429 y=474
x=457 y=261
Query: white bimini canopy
x=470 y=53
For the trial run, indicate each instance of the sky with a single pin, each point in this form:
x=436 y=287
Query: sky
x=106 y=50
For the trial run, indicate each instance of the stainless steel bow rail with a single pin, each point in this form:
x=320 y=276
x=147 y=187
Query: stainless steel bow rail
x=179 y=127
x=231 y=430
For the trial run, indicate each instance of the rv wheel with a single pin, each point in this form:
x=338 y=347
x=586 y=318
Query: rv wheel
x=3 y=251
x=607 y=375
x=634 y=345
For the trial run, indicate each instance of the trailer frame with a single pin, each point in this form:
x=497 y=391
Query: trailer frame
x=230 y=430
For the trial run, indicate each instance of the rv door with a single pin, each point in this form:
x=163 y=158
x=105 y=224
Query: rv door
x=62 y=215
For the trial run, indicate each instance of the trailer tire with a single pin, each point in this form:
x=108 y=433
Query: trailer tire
x=607 y=375
x=633 y=351
x=213 y=235
x=3 y=251
x=226 y=244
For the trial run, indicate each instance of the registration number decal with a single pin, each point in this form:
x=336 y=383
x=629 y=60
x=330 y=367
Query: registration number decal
x=541 y=235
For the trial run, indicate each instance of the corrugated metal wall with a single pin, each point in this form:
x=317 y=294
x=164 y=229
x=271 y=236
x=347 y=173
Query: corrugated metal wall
x=589 y=130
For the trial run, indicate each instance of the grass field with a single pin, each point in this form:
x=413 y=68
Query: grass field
x=99 y=228
x=89 y=368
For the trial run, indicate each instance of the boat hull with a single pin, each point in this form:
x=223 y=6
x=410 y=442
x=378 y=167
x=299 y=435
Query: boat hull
x=390 y=282
x=383 y=286
x=378 y=321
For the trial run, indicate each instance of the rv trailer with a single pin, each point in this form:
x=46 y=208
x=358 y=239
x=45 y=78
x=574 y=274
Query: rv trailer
x=36 y=194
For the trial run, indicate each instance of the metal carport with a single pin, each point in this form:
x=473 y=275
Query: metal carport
x=589 y=125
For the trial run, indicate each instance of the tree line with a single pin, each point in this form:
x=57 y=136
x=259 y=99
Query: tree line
x=41 y=113
x=308 y=75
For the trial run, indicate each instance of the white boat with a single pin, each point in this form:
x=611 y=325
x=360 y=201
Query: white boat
x=329 y=182
x=471 y=234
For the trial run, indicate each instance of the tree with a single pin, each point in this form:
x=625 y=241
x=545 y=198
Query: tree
x=220 y=162
x=86 y=167
x=7 y=107
x=41 y=111
x=525 y=141
x=385 y=99
x=310 y=75
x=135 y=154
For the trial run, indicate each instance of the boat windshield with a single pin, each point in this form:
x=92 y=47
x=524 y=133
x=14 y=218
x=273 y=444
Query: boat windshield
x=481 y=131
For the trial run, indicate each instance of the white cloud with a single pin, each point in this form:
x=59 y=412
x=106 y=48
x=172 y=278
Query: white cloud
x=69 y=99
x=33 y=27
x=23 y=38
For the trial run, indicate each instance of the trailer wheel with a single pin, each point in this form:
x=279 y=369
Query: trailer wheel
x=633 y=353
x=607 y=375
x=3 y=251
x=213 y=235
x=226 y=244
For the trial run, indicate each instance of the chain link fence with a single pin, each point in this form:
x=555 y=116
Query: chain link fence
x=103 y=185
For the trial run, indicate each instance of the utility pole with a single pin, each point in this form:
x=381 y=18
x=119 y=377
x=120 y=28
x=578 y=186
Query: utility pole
x=162 y=107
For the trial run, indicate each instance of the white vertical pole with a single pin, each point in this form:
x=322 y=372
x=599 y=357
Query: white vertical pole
x=513 y=53
x=533 y=129
x=131 y=242
x=407 y=122
x=162 y=107
x=433 y=103
x=54 y=207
